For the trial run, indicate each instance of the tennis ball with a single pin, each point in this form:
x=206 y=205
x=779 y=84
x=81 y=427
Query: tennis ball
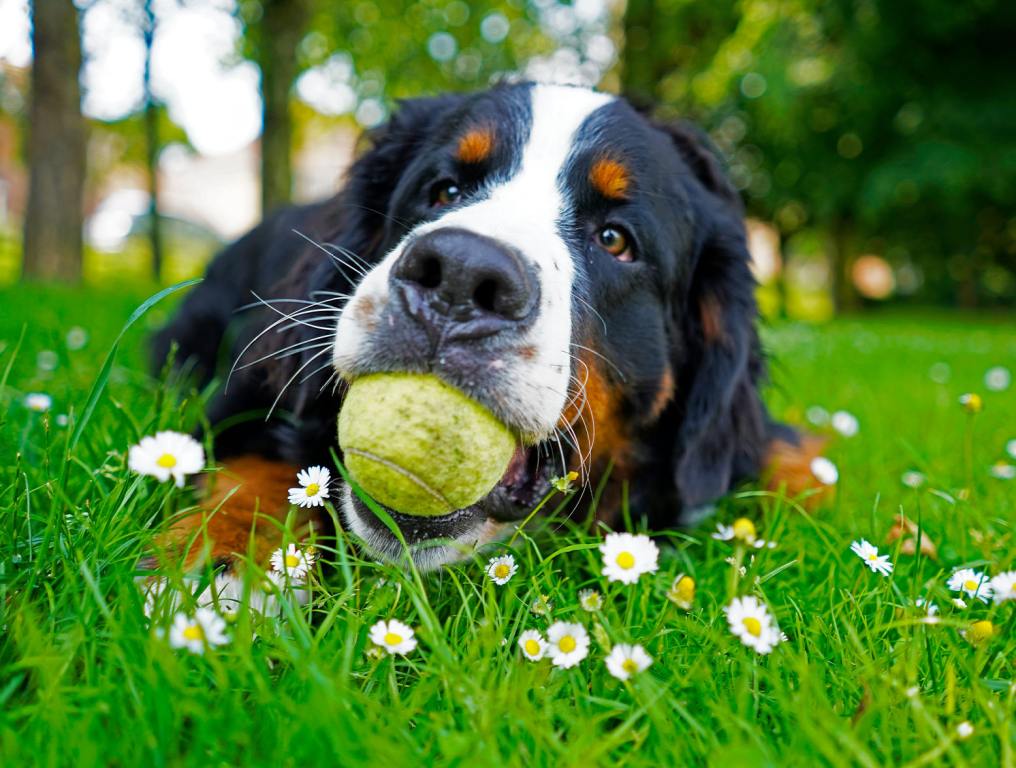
x=420 y=446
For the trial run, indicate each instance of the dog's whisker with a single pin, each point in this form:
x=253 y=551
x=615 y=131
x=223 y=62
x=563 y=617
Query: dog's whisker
x=605 y=359
x=290 y=351
x=593 y=310
x=290 y=380
x=339 y=263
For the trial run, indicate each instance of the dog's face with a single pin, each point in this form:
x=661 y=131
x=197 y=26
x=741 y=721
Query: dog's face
x=573 y=267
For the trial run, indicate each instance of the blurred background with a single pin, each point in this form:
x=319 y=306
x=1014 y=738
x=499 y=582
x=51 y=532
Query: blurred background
x=874 y=141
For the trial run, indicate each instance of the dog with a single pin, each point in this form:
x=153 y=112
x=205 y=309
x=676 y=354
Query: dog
x=576 y=267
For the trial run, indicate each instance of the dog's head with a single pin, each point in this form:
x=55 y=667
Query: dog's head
x=575 y=267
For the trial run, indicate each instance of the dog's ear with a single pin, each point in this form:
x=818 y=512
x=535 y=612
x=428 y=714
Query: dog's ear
x=718 y=359
x=359 y=212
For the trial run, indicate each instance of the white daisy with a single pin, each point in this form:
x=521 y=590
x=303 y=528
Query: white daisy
x=979 y=632
x=204 y=629
x=824 y=470
x=869 y=553
x=682 y=592
x=750 y=620
x=974 y=583
x=313 y=488
x=77 y=337
x=501 y=569
x=590 y=600
x=997 y=379
x=930 y=610
x=845 y=423
x=38 y=402
x=533 y=646
x=1010 y=448
x=817 y=415
x=625 y=660
x=394 y=636
x=959 y=602
x=294 y=562
x=971 y=402
x=167 y=455
x=913 y=479
x=964 y=730
x=1003 y=586
x=542 y=606
x=1002 y=471
x=627 y=556
x=567 y=643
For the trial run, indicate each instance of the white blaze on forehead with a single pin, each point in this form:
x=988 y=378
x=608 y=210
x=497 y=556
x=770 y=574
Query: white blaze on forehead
x=526 y=212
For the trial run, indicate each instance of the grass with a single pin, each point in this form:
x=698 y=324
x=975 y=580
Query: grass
x=85 y=680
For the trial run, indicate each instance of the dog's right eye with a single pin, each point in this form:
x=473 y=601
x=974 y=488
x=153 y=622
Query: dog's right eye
x=445 y=192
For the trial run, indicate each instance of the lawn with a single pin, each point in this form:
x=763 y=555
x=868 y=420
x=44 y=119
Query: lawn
x=862 y=678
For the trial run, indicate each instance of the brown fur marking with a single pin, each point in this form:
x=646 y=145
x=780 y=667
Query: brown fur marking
x=711 y=314
x=602 y=432
x=787 y=467
x=610 y=178
x=664 y=394
x=260 y=498
x=475 y=145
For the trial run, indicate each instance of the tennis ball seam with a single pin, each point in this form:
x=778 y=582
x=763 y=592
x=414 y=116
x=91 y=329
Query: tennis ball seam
x=402 y=471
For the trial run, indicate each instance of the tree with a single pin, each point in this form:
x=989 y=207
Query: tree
x=56 y=146
x=274 y=30
x=883 y=125
x=152 y=145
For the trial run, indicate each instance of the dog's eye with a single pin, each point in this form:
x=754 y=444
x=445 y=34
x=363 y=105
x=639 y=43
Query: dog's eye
x=445 y=192
x=615 y=242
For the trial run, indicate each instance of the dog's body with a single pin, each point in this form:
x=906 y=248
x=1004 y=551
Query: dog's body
x=576 y=268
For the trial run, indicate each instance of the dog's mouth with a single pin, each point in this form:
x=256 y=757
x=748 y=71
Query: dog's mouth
x=526 y=481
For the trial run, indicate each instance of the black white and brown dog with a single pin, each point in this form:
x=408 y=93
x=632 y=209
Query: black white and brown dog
x=574 y=266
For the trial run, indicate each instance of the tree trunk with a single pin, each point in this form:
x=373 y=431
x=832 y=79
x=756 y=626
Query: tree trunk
x=282 y=27
x=841 y=266
x=56 y=146
x=152 y=147
x=638 y=62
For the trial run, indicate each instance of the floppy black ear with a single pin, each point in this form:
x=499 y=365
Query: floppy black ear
x=719 y=364
x=358 y=214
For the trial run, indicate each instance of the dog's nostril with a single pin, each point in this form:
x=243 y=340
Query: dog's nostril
x=485 y=295
x=430 y=272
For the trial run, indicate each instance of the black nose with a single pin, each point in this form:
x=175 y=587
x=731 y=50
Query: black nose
x=464 y=283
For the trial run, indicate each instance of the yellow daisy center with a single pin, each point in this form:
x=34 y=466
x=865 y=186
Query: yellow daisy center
x=744 y=529
x=873 y=557
x=501 y=571
x=194 y=632
x=629 y=666
x=166 y=461
x=685 y=589
x=981 y=630
x=970 y=584
x=626 y=560
x=566 y=644
x=753 y=625
x=392 y=639
x=313 y=489
x=292 y=561
x=532 y=647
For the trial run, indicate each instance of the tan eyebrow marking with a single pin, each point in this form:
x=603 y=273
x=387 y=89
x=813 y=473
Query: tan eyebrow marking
x=475 y=145
x=610 y=178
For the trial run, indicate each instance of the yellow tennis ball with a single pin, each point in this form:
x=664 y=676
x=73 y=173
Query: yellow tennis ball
x=420 y=446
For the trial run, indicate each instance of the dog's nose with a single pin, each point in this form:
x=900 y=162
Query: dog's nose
x=464 y=283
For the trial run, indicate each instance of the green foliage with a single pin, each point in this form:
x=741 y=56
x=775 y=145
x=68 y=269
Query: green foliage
x=888 y=119
x=85 y=680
